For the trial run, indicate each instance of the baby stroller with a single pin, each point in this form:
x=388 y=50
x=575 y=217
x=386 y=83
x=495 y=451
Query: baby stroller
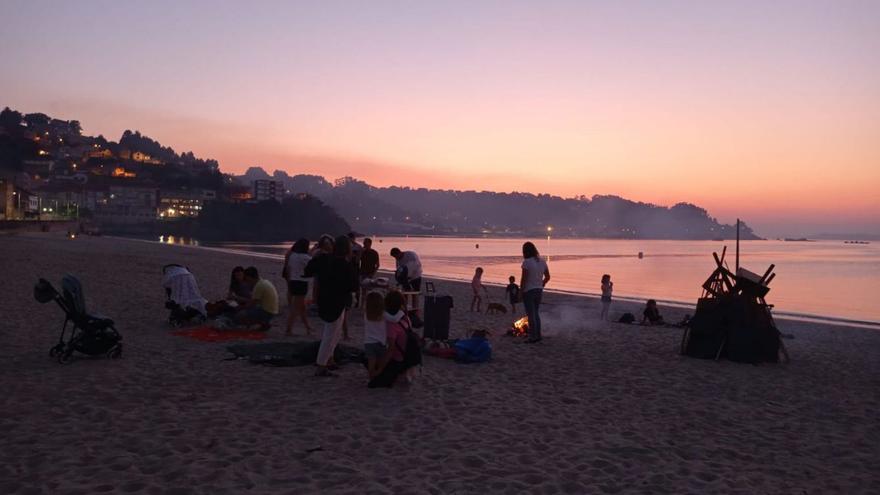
x=184 y=299
x=92 y=334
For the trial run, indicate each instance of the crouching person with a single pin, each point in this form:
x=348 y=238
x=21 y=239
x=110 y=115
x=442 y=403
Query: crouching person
x=403 y=351
x=263 y=303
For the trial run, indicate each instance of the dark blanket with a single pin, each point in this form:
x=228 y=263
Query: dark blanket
x=293 y=353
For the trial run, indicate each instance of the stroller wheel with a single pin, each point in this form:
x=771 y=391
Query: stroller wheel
x=64 y=356
x=116 y=352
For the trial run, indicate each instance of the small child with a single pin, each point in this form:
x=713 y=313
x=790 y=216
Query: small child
x=607 y=288
x=651 y=315
x=375 y=334
x=477 y=285
x=512 y=292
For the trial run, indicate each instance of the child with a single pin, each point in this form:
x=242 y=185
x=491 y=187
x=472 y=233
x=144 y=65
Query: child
x=607 y=287
x=476 y=285
x=375 y=334
x=391 y=364
x=512 y=292
x=651 y=315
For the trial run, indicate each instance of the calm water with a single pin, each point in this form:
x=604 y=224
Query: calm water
x=824 y=278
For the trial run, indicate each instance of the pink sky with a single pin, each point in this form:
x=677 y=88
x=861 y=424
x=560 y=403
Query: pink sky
x=765 y=110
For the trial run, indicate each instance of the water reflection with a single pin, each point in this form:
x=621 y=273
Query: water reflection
x=172 y=239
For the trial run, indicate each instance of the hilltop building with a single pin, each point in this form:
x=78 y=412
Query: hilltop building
x=183 y=204
x=265 y=189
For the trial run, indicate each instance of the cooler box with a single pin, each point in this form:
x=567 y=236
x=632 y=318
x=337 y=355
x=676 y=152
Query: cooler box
x=437 y=313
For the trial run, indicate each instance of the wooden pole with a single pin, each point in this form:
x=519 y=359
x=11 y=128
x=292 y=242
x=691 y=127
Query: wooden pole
x=737 y=247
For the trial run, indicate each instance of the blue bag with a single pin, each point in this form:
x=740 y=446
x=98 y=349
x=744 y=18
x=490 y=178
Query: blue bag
x=473 y=351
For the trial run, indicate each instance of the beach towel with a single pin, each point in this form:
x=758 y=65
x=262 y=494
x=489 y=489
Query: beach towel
x=211 y=334
x=183 y=288
x=293 y=353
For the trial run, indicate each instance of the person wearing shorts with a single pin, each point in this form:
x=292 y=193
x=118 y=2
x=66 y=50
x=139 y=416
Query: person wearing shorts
x=297 y=284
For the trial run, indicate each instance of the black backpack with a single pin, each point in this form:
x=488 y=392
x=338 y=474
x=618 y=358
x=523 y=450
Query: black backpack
x=412 y=355
x=627 y=318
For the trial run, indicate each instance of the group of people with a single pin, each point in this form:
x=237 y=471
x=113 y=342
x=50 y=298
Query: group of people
x=340 y=272
x=534 y=276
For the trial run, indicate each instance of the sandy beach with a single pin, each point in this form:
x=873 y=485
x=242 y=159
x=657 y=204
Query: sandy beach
x=595 y=408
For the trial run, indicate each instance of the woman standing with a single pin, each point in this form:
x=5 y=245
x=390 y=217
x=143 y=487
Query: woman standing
x=335 y=281
x=297 y=285
x=535 y=275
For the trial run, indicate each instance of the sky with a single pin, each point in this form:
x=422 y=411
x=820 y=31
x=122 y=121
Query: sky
x=765 y=110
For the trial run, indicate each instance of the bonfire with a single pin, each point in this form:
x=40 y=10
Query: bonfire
x=520 y=327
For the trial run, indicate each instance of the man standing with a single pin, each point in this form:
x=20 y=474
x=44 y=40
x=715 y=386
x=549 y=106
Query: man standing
x=263 y=304
x=409 y=269
x=369 y=263
x=409 y=272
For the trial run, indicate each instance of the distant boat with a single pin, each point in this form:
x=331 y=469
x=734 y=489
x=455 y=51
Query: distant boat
x=800 y=239
x=856 y=242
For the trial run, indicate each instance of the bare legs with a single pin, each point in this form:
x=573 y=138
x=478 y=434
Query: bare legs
x=297 y=309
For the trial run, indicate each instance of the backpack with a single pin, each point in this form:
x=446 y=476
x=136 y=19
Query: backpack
x=627 y=318
x=474 y=350
x=412 y=355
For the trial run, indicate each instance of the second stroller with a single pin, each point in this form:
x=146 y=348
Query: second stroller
x=185 y=302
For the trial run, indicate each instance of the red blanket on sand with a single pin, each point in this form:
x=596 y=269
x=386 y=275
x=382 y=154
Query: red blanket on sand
x=211 y=334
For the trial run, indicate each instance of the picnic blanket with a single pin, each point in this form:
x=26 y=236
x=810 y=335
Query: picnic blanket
x=292 y=353
x=208 y=333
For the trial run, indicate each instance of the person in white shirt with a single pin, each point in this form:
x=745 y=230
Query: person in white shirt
x=409 y=272
x=375 y=334
x=535 y=275
x=295 y=262
x=409 y=261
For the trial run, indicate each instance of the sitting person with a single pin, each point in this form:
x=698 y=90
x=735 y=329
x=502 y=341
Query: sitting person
x=263 y=304
x=239 y=293
x=651 y=315
x=375 y=333
x=239 y=290
x=391 y=364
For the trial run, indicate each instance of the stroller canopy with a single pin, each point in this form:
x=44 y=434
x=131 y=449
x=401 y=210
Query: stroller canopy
x=182 y=288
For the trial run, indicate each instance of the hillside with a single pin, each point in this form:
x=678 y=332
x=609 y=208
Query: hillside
x=404 y=210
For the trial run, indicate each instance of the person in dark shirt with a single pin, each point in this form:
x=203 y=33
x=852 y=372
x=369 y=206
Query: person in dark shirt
x=369 y=263
x=512 y=292
x=336 y=282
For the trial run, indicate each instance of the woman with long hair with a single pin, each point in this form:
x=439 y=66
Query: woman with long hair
x=336 y=282
x=535 y=275
x=239 y=290
x=295 y=262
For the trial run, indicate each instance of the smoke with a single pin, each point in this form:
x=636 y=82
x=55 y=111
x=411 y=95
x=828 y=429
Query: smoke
x=567 y=319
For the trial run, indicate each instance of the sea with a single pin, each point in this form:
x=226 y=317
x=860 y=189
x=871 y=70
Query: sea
x=828 y=281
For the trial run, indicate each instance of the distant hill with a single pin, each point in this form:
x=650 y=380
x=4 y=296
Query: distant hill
x=404 y=210
x=54 y=150
x=269 y=221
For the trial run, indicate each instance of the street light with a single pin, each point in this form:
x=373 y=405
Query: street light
x=549 y=231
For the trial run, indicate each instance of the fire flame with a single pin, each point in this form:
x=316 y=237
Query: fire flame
x=520 y=327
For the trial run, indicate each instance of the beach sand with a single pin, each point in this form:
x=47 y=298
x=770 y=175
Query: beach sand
x=595 y=408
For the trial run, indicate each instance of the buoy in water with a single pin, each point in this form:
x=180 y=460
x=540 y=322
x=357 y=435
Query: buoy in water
x=478 y=245
x=641 y=255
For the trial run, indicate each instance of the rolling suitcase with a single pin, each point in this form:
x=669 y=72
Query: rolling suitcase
x=437 y=314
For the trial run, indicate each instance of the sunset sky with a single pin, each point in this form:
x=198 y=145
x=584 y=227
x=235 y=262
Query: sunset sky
x=767 y=110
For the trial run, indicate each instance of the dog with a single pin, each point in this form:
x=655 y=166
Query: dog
x=493 y=308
